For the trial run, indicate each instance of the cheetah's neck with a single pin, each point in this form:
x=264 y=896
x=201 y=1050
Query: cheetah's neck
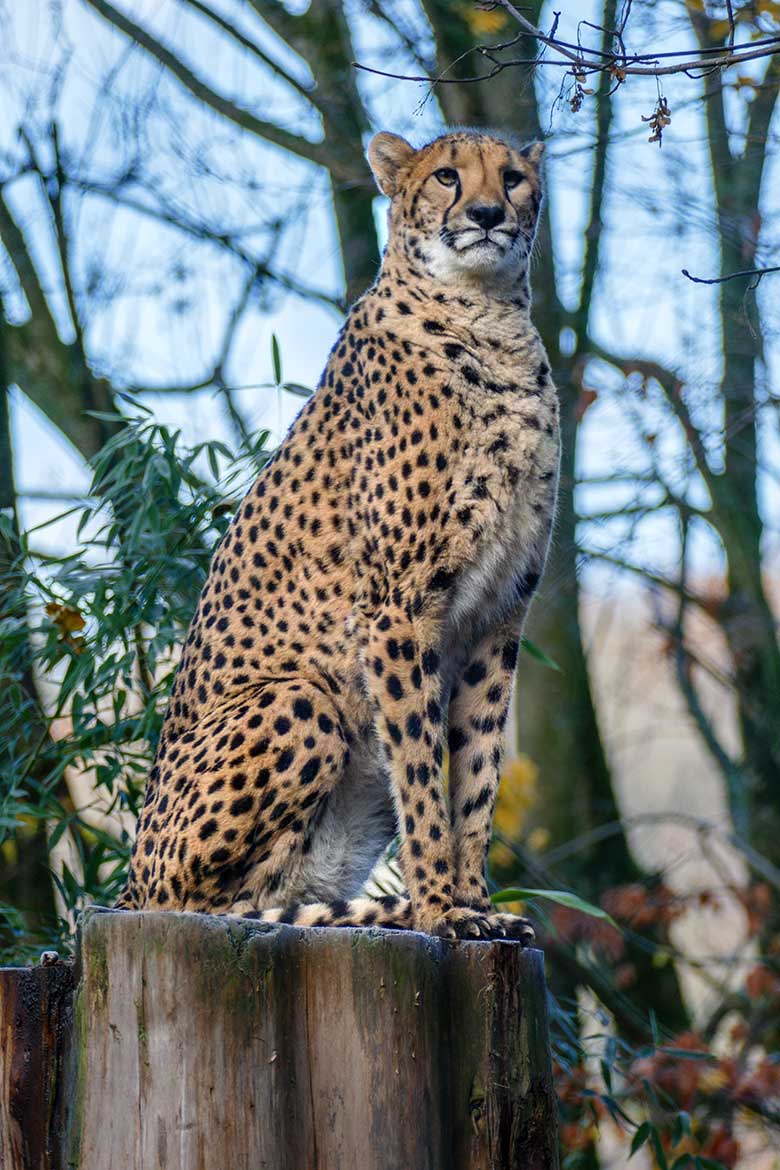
x=415 y=306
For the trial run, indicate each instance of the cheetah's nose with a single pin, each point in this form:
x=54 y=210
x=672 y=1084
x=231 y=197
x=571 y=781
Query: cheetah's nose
x=487 y=215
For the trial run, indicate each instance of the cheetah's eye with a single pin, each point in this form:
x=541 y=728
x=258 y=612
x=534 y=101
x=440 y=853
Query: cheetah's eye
x=513 y=179
x=447 y=176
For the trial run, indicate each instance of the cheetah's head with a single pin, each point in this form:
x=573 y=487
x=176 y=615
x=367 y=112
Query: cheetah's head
x=465 y=205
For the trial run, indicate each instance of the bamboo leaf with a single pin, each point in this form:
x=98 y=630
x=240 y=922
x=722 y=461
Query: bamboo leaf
x=539 y=654
x=640 y=1137
x=276 y=358
x=560 y=897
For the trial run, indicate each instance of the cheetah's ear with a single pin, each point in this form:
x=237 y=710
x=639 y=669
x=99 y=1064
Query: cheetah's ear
x=388 y=154
x=533 y=152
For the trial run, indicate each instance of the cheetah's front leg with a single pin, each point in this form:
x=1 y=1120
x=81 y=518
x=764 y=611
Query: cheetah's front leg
x=403 y=677
x=477 y=720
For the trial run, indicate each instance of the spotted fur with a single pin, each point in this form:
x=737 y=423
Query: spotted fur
x=369 y=596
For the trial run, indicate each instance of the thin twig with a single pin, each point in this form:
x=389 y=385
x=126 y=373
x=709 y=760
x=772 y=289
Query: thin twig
x=732 y=29
x=759 y=272
x=584 y=62
x=729 y=768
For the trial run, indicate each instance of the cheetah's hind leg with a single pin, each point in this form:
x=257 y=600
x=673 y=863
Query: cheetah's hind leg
x=393 y=912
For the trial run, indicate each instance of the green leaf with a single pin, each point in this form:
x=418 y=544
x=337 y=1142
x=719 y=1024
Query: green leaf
x=276 y=359
x=6 y=524
x=654 y=1027
x=640 y=1137
x=212 y=458
x=561 y=897
x=106 y=415
x=535 y=652
x=683 y=1160
x=57 y=833
x=682 y=1125
x=658 y=1150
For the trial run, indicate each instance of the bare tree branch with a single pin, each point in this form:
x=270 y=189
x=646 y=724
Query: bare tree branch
x=648 y=575
x=218 y=377
x=593 y=60
x=52 y=373
x=672 y=385
x=284 y=23
x=729 y=768
x=311 y=151
x=758 y=272
x=202 y=231
x=582 y=61
x=308 y=92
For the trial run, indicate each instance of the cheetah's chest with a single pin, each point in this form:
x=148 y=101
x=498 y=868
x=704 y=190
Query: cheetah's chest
x=510 y=544
x=489 y=585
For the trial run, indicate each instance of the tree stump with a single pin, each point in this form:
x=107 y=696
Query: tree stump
x=204 y=1043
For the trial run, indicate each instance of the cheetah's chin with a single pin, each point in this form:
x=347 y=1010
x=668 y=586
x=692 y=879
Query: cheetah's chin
x=482 y=260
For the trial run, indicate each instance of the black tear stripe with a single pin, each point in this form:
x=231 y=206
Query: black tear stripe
x=458 y=193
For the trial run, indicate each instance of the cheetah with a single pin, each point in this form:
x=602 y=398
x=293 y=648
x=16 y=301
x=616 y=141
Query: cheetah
x=367 y=601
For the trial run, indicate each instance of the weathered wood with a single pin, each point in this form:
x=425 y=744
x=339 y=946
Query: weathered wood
x=35 y=1032
x=211 y=1042
x=204 y=1043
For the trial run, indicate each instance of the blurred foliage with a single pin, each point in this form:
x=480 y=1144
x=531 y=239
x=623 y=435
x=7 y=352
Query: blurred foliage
x=101 y=627
x=704 y=1098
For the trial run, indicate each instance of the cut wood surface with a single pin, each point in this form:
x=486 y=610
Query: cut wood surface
x=205 y=1043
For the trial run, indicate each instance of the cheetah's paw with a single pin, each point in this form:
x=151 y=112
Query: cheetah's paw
x=461 y=922
x=512 y=926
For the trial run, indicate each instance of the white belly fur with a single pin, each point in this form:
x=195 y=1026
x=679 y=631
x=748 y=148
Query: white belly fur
x=358 y=824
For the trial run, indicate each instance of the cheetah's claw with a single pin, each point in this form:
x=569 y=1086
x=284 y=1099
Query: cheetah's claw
x=512 y=926
x=468 y=923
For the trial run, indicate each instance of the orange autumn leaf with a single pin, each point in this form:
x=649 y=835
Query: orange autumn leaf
x=584 y=402
x=67 y=619
x=762 y=983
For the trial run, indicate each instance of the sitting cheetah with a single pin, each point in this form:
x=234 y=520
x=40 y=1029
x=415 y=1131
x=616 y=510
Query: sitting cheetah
x=370 y=593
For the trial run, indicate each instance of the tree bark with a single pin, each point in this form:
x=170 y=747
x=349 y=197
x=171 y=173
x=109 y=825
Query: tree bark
x=36 y=1028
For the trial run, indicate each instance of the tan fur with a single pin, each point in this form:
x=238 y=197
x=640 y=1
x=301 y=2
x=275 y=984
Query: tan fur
x=371 y=590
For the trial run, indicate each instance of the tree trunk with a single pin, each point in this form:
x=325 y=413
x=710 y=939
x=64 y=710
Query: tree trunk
x=323 y=38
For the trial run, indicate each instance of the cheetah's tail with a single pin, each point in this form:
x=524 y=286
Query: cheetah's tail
x=393 y=911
